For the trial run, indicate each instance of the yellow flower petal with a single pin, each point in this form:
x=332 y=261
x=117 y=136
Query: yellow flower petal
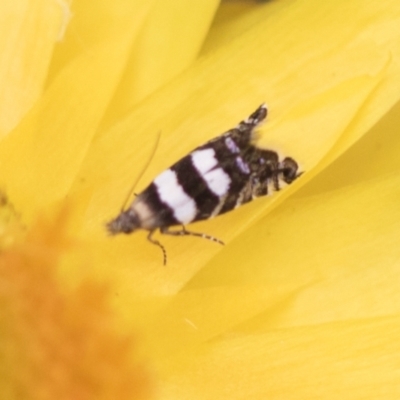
x=339 y=360
x=336 y=240
x=335 y=336
x=234 y=18
x=58 y=345
x=329 y=71
x=323 y=96
x=30 y=30
x=169 y=42
x=339 y=247
x=41 y=157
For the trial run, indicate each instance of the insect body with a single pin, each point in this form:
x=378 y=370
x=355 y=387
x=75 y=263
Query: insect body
x=213 y=179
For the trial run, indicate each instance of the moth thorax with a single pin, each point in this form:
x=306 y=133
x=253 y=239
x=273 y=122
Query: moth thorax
x=126 y=222
x=288 y=168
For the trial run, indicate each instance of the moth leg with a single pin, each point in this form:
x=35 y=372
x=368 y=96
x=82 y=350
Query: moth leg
x=184 y=232
x=157 y=243
x=275 y=180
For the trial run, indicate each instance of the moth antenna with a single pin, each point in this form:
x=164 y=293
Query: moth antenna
x=153 y=152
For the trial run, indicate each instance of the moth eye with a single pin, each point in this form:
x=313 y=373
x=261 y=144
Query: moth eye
x=289 y=169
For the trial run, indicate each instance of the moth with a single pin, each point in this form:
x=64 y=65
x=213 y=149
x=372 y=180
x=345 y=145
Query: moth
x=217 y=177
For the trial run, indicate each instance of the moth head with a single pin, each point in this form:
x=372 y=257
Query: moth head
x=288 y=169
x=126 y=222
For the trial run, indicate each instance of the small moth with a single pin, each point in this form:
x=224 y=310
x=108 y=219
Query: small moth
x=219 y=176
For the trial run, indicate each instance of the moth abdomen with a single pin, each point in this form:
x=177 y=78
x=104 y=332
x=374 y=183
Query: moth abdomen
x=126 y=222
